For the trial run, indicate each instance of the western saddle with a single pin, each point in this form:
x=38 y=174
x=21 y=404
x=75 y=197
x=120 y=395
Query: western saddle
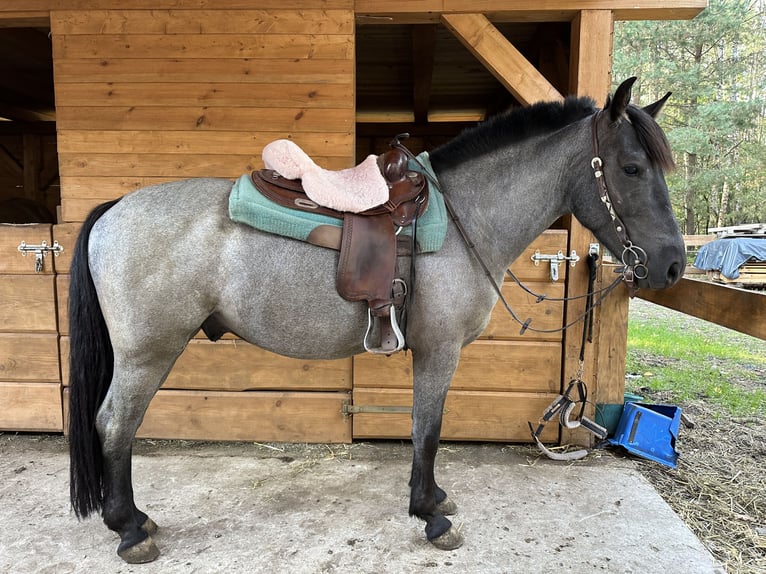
x=368 y=240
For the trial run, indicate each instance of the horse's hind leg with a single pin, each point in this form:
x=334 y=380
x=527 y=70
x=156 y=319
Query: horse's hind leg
x=118 y=420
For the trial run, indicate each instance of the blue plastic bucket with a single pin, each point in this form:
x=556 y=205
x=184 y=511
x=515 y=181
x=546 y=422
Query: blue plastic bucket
x=649 y=431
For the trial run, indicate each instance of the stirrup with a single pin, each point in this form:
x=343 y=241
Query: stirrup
x=381 y=350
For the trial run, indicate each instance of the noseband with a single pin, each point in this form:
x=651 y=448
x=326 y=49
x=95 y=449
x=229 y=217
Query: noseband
x=636 y=269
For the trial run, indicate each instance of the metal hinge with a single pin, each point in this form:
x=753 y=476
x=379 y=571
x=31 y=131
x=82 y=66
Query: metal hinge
x=554 y=260
x=40 y=252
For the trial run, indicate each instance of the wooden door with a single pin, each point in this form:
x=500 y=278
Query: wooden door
x=30 y=374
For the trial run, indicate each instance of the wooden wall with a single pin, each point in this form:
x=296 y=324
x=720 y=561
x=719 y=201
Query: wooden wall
x=144 y=96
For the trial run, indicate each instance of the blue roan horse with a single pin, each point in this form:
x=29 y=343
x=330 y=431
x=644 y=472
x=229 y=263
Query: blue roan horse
x=136 y=297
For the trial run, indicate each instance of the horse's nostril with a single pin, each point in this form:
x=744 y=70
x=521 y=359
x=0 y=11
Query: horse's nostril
x=674 y=272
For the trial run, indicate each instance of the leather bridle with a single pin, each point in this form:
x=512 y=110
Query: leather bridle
x=636 y=269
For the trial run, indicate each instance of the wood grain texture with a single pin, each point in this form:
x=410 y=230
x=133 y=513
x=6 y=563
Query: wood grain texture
x=470 y=415
x=738 y=309
x=34 y=407
x=501 y=58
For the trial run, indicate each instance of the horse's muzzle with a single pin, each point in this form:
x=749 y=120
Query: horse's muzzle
x=666 y=269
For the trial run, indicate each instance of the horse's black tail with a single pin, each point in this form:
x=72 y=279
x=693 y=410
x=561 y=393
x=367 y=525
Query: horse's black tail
x=91 y=362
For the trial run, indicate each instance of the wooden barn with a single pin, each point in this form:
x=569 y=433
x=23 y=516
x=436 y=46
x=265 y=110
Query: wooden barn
x=101 y=97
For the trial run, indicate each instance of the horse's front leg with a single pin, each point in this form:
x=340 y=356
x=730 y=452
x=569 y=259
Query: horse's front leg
x=432 y=376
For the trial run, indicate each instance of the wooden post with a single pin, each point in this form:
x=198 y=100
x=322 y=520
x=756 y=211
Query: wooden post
x=32 y=165
x=590 y=75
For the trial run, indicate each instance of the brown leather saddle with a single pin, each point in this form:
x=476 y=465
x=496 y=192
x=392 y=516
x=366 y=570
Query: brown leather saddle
x=367 y=242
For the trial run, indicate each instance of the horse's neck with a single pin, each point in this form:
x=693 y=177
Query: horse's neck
x=506 y=199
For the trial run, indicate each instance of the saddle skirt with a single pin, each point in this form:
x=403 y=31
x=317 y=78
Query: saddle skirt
x=249 y=206
x=353 y=190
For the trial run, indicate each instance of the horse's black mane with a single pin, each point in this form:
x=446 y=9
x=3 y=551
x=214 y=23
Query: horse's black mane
x=541 y=118
x=513 y=126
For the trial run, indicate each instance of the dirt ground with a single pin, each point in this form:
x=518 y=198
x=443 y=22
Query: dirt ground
x=719 y=487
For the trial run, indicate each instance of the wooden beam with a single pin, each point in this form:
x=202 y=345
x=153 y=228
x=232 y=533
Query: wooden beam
x=423 y=49
x=23 y=18
x=500 y=57
x=738 y=309
x=590 y=65
x=423 y=11
x=16 y=113
x=32 y=164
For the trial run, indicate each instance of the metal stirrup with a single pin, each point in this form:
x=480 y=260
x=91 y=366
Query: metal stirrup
x=394 y=327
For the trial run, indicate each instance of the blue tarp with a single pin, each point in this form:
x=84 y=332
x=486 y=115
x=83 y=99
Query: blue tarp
x=727 y=255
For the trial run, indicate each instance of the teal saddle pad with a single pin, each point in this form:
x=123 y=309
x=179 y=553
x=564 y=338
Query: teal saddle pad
x=249 y=206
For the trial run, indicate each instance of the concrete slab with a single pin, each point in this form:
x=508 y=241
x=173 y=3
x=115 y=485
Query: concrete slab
x=309 y=509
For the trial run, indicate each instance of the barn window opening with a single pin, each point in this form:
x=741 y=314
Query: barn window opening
x=29 y=174
x=419 y=78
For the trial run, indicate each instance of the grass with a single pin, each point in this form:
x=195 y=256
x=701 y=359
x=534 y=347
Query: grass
x=689 y=363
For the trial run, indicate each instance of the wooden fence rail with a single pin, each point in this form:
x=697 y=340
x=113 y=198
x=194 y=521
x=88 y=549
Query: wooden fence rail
x=738 y=309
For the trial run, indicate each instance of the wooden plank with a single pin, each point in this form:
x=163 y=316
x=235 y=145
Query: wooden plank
x=173 y=94
x=518 y=366
x=66 y=234
x=264 y=416
x=240 y=366
x=252 y=415
x=62 y=300
x=400 y=11
x=204 y=22
x=24 y=19
x=280 y=120
x=32 y=407
x=27 y=304
x=470 y=415
x=590 y=69
x=37 y=5
x=590 y=66
x=611 y=341
x=423 y=50
x=424 y=11
x=239 y=70
x=194 y=142
x=698 y=240
x=549 y=242
x=176 y=166
x=545 y=315
x=501 y=58
x=234 y=365
x=738 y=309
x=213 y=46
x=29 y=357
x=12 y=261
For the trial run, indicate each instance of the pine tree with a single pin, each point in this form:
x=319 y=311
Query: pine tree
x=715 y=121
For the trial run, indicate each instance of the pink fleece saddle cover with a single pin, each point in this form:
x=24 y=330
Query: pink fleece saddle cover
x=355 y=189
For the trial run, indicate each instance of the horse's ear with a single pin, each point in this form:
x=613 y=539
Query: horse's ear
x=655 y=108
x=619 y=103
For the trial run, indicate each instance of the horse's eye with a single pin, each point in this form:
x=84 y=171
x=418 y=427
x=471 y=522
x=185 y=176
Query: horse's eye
x=630 y=169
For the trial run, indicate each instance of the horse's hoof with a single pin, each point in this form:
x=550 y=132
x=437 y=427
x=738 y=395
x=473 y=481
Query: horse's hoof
x=150 y=527
x=144 y=551
x=446 y=507
x=449 y=540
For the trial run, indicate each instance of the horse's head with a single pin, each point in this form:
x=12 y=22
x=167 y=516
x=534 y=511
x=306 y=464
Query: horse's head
x=629 y=209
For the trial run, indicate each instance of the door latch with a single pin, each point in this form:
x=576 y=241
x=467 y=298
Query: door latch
x=40 y=252
x=554 y=261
